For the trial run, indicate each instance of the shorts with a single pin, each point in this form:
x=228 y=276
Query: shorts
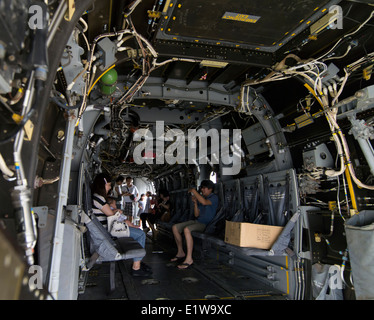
x=193 y=225
x=128 y=210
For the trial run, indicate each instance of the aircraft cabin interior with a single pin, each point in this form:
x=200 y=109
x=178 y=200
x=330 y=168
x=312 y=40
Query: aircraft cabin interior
x=271 y=102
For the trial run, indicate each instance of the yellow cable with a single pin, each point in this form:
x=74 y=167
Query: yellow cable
x=347 y=172
x=89 y=91
x=350 y=188
x=313 y=93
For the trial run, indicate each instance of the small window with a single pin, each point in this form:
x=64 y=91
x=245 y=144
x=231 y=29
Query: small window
x=213 y=177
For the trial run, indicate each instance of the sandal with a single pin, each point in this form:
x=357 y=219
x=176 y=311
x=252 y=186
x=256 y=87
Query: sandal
x=185 y=265
x=177 y=258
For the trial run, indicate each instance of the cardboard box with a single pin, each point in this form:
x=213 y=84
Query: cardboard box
x=244 y=234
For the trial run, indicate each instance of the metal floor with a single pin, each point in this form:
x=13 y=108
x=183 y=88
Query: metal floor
x=205 y=279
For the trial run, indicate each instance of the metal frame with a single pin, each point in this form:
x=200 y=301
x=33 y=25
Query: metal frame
x=177 y=89
x=170 y=8
x=63 y=189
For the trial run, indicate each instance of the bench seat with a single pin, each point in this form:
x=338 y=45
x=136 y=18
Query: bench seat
x=128 y=249
x=214 y=240
x=104 y=248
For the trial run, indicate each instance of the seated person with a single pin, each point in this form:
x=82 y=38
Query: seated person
x=160 y=210
x=205 y=207
x=101 y=209
x=165 y=206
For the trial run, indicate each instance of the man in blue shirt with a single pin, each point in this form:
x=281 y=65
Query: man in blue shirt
x=205 y=207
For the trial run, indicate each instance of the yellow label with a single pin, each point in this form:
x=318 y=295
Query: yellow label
x=240 y=17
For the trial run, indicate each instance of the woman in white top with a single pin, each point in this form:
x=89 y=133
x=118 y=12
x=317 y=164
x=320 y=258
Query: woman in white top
x=141 y=205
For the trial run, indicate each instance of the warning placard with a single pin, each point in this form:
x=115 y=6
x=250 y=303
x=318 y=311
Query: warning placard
x=240 y=17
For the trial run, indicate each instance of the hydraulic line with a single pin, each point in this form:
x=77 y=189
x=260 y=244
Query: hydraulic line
x=331 y=118
x=99 y=77
x=21 y=194
x=351 y=190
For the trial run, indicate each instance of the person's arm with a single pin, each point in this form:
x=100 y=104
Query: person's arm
x=127 y=193
x=136 y=193
x=196 y=210
x=107 y=210
x=166 y=206
x=100 y=203
x=118 y=190
x=200 y=198
x=121 y=193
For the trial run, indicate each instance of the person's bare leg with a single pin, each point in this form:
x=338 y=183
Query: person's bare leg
x=136 y=265
x=189 y=243
x=179 y=241
x=154 y=231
